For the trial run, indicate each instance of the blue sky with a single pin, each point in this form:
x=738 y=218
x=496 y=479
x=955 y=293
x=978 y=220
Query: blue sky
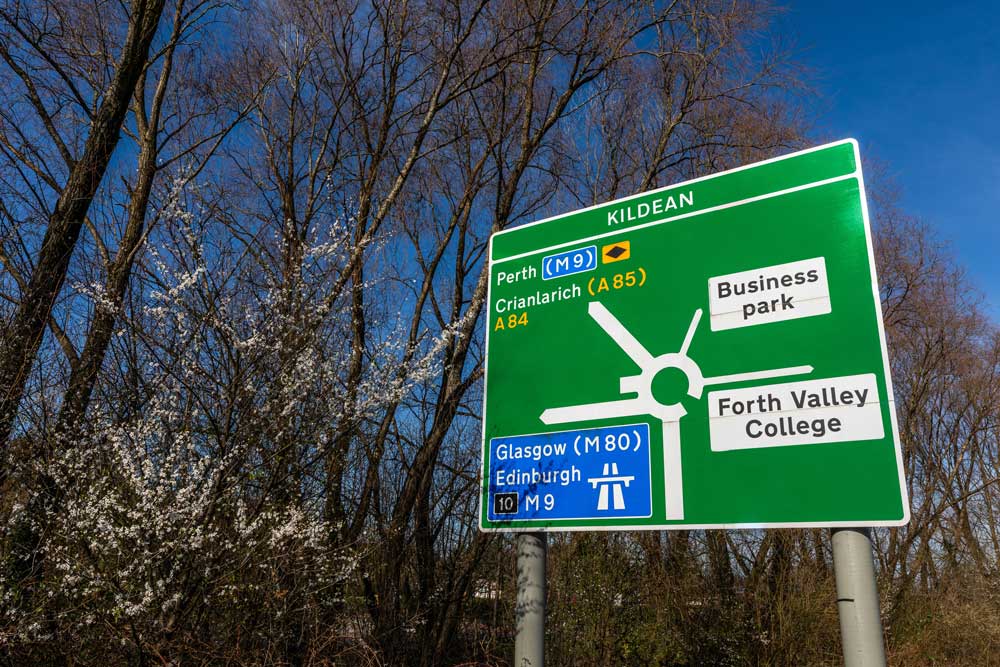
x=918 y=84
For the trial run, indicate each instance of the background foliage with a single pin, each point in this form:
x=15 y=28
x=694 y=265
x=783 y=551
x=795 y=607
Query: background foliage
x=240 y=366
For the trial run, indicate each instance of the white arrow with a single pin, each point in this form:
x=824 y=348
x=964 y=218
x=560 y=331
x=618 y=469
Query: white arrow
x=629 y=407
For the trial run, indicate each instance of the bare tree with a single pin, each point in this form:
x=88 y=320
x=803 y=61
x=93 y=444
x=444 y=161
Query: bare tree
x=38 y=29
x=258 y=411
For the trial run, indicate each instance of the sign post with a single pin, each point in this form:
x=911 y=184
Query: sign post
x=529 y=641
x=707 y=355
x=857 y=598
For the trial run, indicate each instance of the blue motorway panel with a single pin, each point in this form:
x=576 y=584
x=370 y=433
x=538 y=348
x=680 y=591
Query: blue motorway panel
x=569 y=262
x=595 y=473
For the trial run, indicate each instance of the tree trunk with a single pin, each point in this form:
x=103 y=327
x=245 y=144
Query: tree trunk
x=21 y=340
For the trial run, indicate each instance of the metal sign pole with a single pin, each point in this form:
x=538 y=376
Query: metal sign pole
x=857 y=598
x=529 y=641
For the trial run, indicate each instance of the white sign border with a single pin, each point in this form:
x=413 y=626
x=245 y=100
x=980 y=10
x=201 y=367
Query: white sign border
x=555 y=525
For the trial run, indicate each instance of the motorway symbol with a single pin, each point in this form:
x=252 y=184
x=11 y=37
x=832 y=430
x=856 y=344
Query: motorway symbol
x=611 y=479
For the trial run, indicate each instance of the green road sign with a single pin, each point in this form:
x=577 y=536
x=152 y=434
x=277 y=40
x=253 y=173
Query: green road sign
x=707 y=355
